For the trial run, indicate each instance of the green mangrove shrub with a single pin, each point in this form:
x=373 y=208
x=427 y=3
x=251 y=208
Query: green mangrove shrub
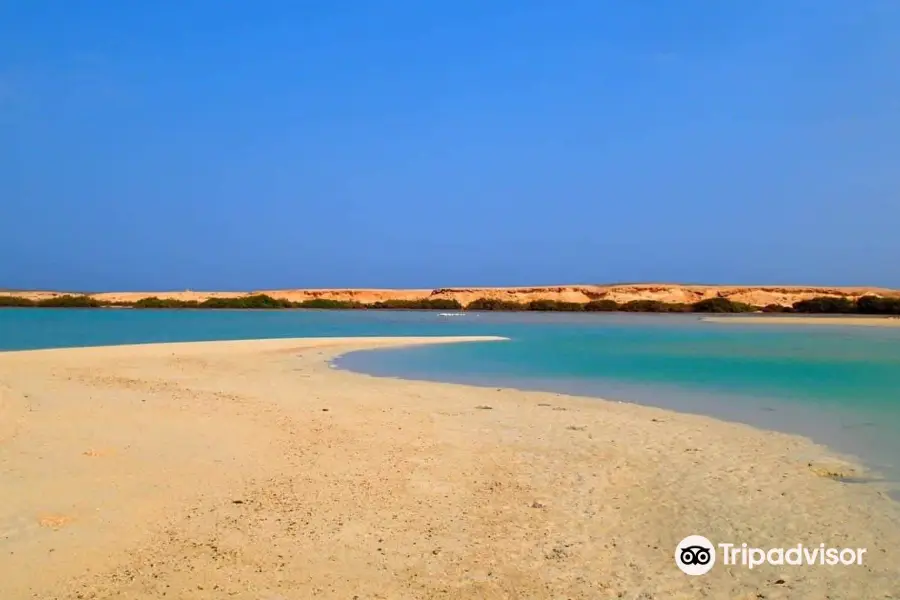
x=876 y=305
x=422 y=304
x=256 y=301
x=654 y=306
x=154 y=302
x=554 y=306
x=777 y=308
x=720 y=305
x=601 y=306
x=494 y=304
x=327 y=304
x=15 y=301
x=69 y=301
x=826 y=305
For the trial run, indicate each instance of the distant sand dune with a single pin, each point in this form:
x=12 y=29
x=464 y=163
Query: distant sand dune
x=755 y=295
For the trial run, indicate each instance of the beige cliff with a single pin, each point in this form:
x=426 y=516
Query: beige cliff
x=755 y=295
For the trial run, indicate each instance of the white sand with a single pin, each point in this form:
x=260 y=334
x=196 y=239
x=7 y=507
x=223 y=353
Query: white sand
x=253 y=470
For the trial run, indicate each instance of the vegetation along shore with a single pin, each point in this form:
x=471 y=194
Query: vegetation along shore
x=865 y=305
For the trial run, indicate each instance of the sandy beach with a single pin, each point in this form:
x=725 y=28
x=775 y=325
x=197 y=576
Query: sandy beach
x=254 y=470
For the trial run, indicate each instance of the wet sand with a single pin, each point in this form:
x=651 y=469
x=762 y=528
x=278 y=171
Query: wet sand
x=254 y=470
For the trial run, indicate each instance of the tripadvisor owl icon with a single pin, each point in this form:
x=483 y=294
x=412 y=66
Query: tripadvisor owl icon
x=695 y=555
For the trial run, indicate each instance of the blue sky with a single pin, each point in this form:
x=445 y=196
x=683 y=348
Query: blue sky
x=232 y=145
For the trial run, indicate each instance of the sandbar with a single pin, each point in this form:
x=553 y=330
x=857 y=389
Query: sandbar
x=811 y=320
x=254 y=469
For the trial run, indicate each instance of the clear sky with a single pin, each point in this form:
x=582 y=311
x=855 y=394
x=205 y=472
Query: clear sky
x=263 y=144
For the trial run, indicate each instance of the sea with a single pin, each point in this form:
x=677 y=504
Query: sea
x=839 y=385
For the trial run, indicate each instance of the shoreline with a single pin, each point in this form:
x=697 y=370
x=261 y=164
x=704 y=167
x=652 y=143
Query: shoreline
x=134 y=461
x=827 y=429
x=757 y=317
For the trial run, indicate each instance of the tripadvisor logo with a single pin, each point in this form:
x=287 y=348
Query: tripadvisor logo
x=696 y=555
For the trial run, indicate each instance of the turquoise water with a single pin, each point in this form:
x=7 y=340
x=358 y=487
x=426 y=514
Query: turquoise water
x=839 y=385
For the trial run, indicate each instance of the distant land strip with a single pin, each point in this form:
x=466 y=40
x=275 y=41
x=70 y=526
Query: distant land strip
x=648 y=298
